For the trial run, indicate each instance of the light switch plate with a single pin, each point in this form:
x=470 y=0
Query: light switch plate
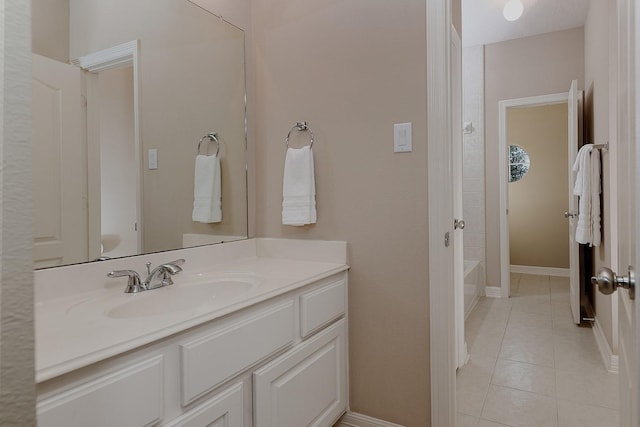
x=402 y=138
x=153 y=158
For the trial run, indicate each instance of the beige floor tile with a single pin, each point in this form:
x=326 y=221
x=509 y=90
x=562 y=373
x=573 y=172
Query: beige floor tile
x=579 y=387
x=491 y=314
x=572 y=414
x=472 y=382
x=562 y=319
x=527 y=348
x=492 y=304
x=532 y=304
x=575 y=333
x=525 y=377
x=485 y=345
x=464 y=420
x=519 y=408
x=560 y=304
x=532 y=289
x=559 y=282
x=528 y=319
x=485 y=423
x=548 y=371
x=477 y=372
x=532 y=332
x=470 y=399
x=577 y=356
x=533 y=278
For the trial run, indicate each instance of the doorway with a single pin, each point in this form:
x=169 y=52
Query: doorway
x=537 y=197
x=118 y=169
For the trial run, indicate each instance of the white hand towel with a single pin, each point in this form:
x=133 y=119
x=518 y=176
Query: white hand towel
x=299 y=188
x=582 y=188
x=579 y=167
x=596 y=235
x=207 y=190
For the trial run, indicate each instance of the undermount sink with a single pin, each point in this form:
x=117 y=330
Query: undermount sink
x=178 y=298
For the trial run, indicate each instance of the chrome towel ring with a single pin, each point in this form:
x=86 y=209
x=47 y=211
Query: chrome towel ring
x=301 y=127
x=213 y=136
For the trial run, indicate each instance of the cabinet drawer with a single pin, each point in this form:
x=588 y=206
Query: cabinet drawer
x=322 y=306
x=128 y=397
x=307 y=386
x=209 y=361
x=223 y=410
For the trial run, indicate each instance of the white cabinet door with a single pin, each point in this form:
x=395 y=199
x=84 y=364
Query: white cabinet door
x=306 y=386
x=223 y=410
x=128 y=397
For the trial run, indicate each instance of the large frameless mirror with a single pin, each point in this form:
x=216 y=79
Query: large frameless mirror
x=124 y=91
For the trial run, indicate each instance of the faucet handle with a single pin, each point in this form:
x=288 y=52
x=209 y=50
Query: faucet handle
x=134 y=285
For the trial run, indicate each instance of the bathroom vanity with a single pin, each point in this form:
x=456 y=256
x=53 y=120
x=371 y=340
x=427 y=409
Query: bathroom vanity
x=252 y=333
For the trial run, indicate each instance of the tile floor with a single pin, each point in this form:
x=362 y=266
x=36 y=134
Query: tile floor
x=530 y=365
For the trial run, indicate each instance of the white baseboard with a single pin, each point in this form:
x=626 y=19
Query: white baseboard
x=540 y=271
x=493 y=292
x=353 y=419
x=610 y=360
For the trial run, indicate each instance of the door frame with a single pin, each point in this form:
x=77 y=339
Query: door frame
x=120 y=56
x=458 y=204
x=440 y=218
x=503 y=172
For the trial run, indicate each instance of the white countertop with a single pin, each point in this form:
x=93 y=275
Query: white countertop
x=84 y=324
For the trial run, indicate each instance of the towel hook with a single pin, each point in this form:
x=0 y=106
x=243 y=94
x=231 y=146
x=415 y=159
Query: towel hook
x=301 y=127
x=213 y=136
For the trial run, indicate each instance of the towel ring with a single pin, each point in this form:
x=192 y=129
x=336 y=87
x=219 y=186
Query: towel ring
x=213 y=136
x=301 y=127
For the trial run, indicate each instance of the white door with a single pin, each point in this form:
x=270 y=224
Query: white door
x=628 y=216
x=574 y=261
x=59 y=159
x=628 y=128
x=457 y=168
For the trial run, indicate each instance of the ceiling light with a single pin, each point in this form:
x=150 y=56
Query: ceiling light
x=513 y=10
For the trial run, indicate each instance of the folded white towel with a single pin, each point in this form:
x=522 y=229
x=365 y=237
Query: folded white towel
x=596 y=235
x=299 y=188
x=207 y=190
x=587 y=187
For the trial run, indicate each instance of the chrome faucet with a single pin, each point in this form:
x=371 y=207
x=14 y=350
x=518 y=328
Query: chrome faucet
x=134 y=285
x=161 y=275
x=157 y=278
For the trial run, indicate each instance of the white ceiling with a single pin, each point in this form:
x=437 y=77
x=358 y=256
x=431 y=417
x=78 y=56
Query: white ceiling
x=483 y=23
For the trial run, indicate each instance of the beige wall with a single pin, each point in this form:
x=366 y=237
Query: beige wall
x=50 y=29
x=596 y=35
x=193 y=50
x=538 y=65
x=238 y=12
x=353 y=69
x=538 y=231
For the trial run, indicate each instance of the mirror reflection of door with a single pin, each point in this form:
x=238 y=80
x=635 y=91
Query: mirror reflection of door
x=59 y=175
x=118 y=168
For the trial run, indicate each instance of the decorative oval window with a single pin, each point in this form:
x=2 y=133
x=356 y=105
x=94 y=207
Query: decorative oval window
x=519 y=163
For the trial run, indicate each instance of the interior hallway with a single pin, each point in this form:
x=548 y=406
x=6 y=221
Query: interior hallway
x=530 y=365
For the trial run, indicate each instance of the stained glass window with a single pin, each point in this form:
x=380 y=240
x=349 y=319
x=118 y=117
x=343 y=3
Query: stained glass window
x=519 y=163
